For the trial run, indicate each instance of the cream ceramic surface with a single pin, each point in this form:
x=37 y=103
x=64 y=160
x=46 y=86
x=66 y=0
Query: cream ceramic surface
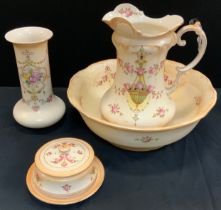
x=142 y=44
x=61 y=188
x=64 y=157
x=194 y=97
x=65 y=198
x=39 y=107
x=65 y=168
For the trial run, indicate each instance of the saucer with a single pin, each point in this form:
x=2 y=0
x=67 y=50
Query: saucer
x=194 y=97
x=72 y=199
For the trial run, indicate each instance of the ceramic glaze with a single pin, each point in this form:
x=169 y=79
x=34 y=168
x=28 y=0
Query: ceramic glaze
x=142 y=44
x=67 y=186
x=65 y=171
x=39 y=107
x=194 y=97
x=64 y=157
x=64 y=167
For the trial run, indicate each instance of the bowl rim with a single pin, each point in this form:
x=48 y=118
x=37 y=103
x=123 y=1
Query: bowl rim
x=197 y=118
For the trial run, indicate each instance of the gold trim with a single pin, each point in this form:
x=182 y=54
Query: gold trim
x=70 y=200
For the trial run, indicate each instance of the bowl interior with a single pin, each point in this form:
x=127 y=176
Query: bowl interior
x=194 y=96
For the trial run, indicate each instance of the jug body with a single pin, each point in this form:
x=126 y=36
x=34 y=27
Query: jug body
x=138 y=96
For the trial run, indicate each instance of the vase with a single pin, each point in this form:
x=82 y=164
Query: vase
x=39 y=107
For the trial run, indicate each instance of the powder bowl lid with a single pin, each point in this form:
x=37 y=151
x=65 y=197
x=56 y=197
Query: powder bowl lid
x=64 y=157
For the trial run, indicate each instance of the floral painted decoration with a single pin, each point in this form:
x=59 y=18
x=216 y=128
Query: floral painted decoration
x=35 y=108
x=160 y=112
x=139 y=89
x=64 y=155
x=127 y=67
x=146 y=139
x=127 y=12
x=63 y=159
x=156 y=94
x=108 y=77
x=50 y=98
x=153 y=70
x=66 y=187
x=167 y=80
x=115 y=109
x=197 y=100
x=33 y=77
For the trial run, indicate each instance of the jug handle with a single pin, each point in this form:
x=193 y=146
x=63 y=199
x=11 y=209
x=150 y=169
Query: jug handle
x=202 y=43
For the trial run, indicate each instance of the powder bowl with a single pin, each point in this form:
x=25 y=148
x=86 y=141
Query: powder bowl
x=65 y=171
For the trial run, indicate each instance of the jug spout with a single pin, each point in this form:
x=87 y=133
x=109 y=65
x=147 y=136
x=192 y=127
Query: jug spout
x=126 y=19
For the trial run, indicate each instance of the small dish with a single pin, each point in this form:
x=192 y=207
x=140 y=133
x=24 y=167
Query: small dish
x=65 y=171
x=194 y=98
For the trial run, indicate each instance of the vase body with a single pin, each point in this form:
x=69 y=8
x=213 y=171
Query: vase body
x=34 y=74
x=39 y=107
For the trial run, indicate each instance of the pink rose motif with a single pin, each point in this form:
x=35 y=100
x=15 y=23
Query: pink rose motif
x=104 y=78
x=49 y=99
x=128 y=68
x=139 y=86
x=166 y=79
x=150 y=88
x=126 y=86
x=161 y=112
x=114 y=108
x=35 y=77
x=126 y=12
x=48 y=153
x=113 y=75
x=64 y=164
x=66 y=187
x=151 y=70
x=79 y=152
x=140 y=71
x=161 y=64
x=35 y=108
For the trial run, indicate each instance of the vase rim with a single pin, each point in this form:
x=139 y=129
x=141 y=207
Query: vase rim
x=28 y=35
